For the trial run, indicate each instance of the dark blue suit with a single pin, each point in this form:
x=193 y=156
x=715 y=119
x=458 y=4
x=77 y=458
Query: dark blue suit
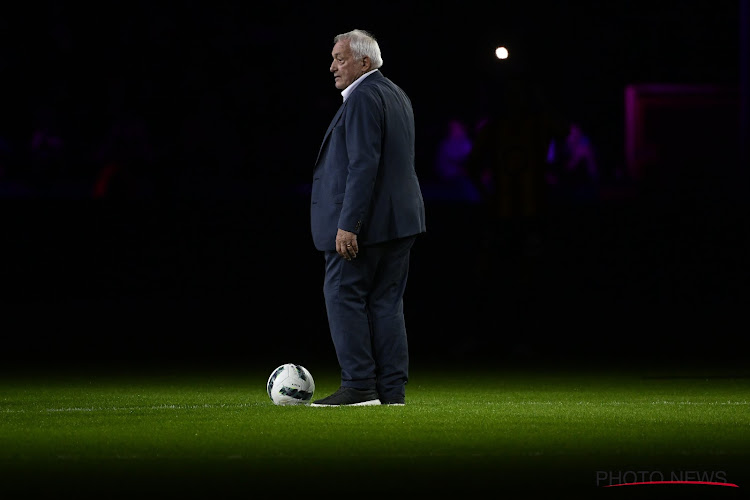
x=365 y=182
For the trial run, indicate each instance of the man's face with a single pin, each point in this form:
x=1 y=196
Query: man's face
x=344 y=67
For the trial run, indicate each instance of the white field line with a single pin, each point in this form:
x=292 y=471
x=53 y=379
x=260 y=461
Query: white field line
x=132 y=408
x=503 y=403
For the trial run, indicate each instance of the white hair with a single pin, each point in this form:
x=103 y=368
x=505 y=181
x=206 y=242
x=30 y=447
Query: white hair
x=362 y=44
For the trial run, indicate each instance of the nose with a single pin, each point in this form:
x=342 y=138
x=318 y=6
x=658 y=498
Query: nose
x=332 y=68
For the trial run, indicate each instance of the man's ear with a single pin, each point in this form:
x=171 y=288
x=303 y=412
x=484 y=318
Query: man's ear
x=366 y=63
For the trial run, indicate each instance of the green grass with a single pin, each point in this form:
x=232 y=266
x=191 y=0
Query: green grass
x=170 y=431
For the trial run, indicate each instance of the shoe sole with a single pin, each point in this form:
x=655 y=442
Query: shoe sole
x=373 y=402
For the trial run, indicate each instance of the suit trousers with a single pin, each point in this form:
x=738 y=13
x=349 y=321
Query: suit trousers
x=364 y=302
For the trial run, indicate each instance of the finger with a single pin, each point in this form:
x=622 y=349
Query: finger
x=351 y=249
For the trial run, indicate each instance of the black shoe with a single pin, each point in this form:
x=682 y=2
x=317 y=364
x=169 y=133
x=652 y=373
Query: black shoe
x=349 y=396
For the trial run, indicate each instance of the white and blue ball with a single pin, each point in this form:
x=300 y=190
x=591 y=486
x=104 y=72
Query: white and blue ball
x=290 y=384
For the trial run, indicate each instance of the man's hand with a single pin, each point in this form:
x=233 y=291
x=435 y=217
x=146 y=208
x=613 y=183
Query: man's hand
x=346 y=244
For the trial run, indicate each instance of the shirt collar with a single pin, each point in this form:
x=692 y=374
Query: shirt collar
x=348 y=90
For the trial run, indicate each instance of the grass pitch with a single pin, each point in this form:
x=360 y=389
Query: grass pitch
x=208 y=433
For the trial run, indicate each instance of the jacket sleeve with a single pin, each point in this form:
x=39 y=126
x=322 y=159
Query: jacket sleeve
x=364 y=131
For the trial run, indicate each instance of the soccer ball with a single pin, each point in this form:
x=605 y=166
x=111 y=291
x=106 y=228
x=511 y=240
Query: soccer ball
x=290 y=384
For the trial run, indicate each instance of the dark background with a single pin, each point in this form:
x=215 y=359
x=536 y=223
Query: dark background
x=205 y=254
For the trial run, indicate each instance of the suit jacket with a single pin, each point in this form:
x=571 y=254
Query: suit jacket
x=364 y=180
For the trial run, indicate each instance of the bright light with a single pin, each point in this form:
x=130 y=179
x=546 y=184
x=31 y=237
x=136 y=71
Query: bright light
x=501 y=53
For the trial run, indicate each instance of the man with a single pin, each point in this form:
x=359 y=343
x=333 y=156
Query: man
x=366 y=212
